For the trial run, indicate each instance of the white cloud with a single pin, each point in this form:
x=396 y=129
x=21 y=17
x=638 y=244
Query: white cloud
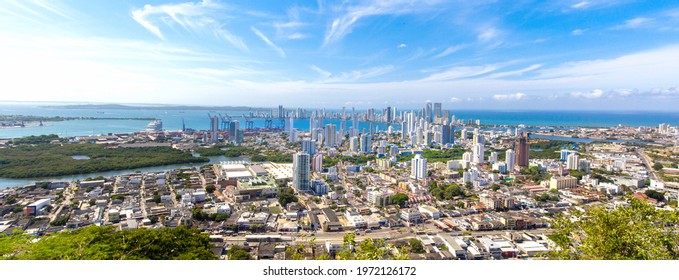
x=597 y=93
x=344 y=24
x=297 y=36
x=193 y=17
x=266 y=40
x=461 y=72
x=450 y=50
x=324 y=73
x=402 y=46
x=488 y=34
x=581 y=5
x=578 y=32
x=635 y=23
x=455 y=100
x=515 y=96
x=515 y=72
x=358 y=75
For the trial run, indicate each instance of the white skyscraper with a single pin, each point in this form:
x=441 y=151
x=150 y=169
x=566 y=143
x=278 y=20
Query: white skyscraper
x=353 y=144
x=467 y=156
x=418 y=168
x=330 y=135
x=493 y=157
x=509 y=159
x=477 y=151
x=300 y=171
x=317 y=163
x=573 y=161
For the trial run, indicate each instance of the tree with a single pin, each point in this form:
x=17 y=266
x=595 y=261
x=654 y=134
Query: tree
x=416 y=245
x=658 y=166
x=636 y=232
x=210 y=189
x=400 y=199
x=655 y=195
x=495 y=187
x=238 y=253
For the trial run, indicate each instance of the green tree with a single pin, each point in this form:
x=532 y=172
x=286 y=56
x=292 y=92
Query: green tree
x=655 y=195
x=238 y=253
x=495 y=187
x=399 y=199
x=636 y=232
x=658 y=166
x=210 y=189
x=416 y=245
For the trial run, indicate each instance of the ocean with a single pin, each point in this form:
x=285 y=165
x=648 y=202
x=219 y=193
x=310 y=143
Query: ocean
x=198 y=119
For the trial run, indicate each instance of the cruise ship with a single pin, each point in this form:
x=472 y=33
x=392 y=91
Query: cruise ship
x=156 y=125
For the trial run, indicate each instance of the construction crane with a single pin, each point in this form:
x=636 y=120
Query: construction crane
x=268 y=123
x=226 y=121
x=249 y=124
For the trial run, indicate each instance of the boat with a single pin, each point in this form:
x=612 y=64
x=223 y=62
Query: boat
x=156 y=125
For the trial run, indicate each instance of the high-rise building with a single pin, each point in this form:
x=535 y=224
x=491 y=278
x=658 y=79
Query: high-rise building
x=293 y=135
x=478 y=137
x=463 y=134
x=522 y=150
x=366 y=143
x=573 y=161
x=281 y=112
x=418 y=168
x=300 y=172
x=214 y=128
x=510 y=160
x=437 y=110
x=309 y=147
x=447 y=134
x=317 y=163
x=477 y=151
x=233 y=129
x=353 y=144
x=428 y=114
x=565 y=154
x=330 y=135
x=493 y=157
x=239 y=136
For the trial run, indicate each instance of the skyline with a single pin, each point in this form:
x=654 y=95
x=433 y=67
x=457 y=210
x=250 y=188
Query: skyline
x=562 y=55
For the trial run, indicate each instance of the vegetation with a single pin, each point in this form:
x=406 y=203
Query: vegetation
x=399 y=199
x=352 y=160
x=238 y=253
x=369 y=249
x=658 y=166
x=198 y=214
x=105 y=243
x=546 y=197
x=416 y=246
x=636 y=232
x=549 y=149
x=446 y=192
x=55 y=160
x=286 y=195
x=40 y=139
x=438 y=155
x=655 y=195
x=535 y=174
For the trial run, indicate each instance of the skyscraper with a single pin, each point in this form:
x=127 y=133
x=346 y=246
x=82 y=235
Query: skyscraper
x=478 y=151
x=317 y=163
x=214 y=128
x=447 y=131
x=300 y=172
x=522 y=150
x=330 y=135
x=493 y=157
x=573 y=162
x=428 y=114
x=308 y=146
x=509 y=159
x=418 y=168
x=366 y=143
x=353 y=144
x=437 y=110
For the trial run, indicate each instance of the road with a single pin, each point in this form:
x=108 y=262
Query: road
x=647 y=161
x=390 y=234
x=68 y=196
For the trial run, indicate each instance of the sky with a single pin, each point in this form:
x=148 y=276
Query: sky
x=522 y=54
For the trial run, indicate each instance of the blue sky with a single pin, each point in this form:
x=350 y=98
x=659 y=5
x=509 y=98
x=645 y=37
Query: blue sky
x=580 y=54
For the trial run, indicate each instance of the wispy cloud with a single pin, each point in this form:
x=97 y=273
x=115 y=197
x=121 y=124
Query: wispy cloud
x=193 y=17
x=635 y=23
x=515 y=72
x=487 y=34
x=344 y=24
x=581 y=5
x=578 y=32
x=461 y=72
x=324 y=73
x=401 y=46
x=266 y=40
x=515 y=96
x=356 y=75
x=450 y=50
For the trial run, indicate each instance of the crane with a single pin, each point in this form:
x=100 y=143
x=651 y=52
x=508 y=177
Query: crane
x=249 y=124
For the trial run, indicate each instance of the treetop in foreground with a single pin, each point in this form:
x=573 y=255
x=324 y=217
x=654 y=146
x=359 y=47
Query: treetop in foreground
x=636 y=232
